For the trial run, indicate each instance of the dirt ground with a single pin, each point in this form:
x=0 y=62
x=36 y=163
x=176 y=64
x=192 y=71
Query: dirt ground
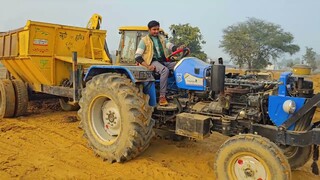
x=47 y=144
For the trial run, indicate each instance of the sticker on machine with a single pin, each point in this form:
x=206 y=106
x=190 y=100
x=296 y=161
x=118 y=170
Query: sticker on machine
x=178 y=77
x=192 y=80
x=40 y=42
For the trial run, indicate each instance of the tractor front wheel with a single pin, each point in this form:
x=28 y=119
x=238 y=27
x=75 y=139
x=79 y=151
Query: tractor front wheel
x=297 y=156
x=251 y=157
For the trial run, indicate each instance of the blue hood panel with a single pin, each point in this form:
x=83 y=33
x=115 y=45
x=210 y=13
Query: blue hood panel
x=190 y=74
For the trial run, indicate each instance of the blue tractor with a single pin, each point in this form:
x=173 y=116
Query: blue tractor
x=269 y=122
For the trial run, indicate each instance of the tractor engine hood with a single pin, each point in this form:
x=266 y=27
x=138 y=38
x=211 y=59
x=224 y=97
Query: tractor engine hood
x=190 y=74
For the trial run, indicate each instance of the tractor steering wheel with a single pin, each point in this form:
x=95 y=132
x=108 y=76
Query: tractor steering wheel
x=185 y=51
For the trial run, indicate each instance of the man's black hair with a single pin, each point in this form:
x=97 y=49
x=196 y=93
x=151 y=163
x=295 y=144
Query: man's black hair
x=153 y=23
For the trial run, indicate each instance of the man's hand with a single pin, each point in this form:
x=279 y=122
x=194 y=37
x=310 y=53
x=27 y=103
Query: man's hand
x=181 y=47
x=151 y=68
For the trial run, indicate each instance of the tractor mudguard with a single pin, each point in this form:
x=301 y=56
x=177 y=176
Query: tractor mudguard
x=137 y=74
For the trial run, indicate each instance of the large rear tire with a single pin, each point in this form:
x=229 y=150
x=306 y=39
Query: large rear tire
x=7 y=101
x=116 y=117
x=251 y=157
x=22 y=99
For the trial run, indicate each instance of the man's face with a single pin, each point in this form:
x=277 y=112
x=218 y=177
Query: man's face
x=154 y=31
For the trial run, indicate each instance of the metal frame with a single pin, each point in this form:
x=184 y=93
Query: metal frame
x=75 y=91
x=284 y=136
x=292 y=138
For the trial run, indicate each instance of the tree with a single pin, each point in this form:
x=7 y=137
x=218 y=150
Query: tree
x=310 y=58
x=190 y=37
x=256 y=42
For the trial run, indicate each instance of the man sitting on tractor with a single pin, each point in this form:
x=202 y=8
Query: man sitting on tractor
x=152 y=52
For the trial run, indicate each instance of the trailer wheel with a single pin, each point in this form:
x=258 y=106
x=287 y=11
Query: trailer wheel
x=115 y=117
x=251 y=157
x=7 y=101
x=67 y=106
x=22 y=99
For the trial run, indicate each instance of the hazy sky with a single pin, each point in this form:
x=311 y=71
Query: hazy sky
x=300 y=17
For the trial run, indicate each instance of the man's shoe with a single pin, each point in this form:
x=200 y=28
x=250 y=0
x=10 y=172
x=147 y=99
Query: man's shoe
x=163 y=101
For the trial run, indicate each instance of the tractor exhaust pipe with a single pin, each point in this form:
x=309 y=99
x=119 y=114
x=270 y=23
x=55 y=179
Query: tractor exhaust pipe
x=218 y=77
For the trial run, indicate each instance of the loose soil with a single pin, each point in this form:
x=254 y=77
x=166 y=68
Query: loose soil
x=48 y=144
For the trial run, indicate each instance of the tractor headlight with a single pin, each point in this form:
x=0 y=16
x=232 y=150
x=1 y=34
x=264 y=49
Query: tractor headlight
x=289 y=106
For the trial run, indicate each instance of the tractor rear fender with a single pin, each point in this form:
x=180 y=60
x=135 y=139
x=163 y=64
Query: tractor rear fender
x=137 y=74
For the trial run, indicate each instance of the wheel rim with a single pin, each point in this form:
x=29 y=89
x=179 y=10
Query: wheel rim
x=111 y=118
x=105 y=119
x=248 y=166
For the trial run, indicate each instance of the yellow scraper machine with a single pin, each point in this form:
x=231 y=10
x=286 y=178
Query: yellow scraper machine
x=40 y=54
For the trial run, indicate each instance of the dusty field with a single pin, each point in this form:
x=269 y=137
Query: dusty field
x=47 y=144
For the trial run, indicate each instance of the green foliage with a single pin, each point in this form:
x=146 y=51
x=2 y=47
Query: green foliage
x=310 y=58
x=189 y=36
x=255 y=43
